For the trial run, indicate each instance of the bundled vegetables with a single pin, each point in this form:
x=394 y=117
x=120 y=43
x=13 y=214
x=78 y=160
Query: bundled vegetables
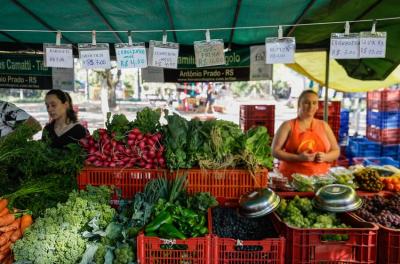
x=124 y=144
x=57 y=236
x=368 y=180
x=13 y=224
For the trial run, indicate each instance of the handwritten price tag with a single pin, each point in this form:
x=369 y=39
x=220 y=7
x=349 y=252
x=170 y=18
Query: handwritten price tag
x=279 y=50
x=165 y=58
x=95 y=57
x=372 y=45
x=131 y=56
x=58 y=56
x=345 y=46
x=209 y=53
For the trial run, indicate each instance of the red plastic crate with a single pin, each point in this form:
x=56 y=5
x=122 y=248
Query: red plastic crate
x=383 y=106
x=333 y=108
x=384 y=95
x=305 y=245
x=225 y=185
x=151 y=250
x=385 y=136
x=257 y=112
x=272 y=251
x=246 y=124
x=388 y=239
x=127 y=181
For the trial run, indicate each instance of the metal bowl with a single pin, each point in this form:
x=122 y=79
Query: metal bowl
x=258 y=203
x=337 y=198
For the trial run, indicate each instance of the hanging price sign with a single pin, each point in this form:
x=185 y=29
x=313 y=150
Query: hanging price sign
x=280 y=50
x=131 y=56
x=58 y=56
x=209 y=53
x=345 y=46
x=95 y=56
x=372 y=45
x=163 y=55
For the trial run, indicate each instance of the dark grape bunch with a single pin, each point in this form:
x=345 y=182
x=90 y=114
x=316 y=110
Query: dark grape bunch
x=380 y=210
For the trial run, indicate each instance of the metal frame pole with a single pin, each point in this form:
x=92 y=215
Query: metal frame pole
x=327 y=62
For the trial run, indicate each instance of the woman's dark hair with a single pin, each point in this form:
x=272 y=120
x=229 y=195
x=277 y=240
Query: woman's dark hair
x=65 y=97
x=304 y=94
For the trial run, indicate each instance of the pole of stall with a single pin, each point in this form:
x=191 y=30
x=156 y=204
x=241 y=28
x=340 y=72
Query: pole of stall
x=326 y=86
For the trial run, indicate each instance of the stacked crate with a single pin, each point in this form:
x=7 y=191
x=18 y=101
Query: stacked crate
x=333 y=115
x=258 y=115
x=360 y=148
x=383 y=121
x=344 y=125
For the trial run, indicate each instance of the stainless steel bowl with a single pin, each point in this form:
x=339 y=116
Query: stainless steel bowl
x=258 y=203
x=337 y=198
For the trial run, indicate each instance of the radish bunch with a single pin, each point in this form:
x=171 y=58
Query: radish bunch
x=136 y=150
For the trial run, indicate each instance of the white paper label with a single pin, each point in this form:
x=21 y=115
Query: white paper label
x=131 y=57
x=279 y=50
x=153 y=74
x=209 y=53
x=95 y=57
x=58 y=57
x=372 y=45
x=345 y=46
x=258 y=69
x=165 y=58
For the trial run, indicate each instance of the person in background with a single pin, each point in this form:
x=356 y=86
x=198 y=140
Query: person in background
x=11 y=116
x=305 y=145
x=210 y=99
x=63 y=127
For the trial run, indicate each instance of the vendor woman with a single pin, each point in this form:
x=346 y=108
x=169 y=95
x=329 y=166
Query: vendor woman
x=63 y=127
x=305 y=144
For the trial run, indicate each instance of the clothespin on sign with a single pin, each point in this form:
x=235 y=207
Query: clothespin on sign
x=208 y=39
x=58 y=38
x=164 y=37
x=373 y=29
x=347 y=28
x=129 y=38
x=94 y=37
x=280 y=32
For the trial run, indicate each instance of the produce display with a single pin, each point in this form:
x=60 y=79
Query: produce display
x=42 y=176
x=299 y=212
x=228 y=224
x=127 y=144
x=385 y=211
x=62 y=234
x=13 y=224
x=368 y=179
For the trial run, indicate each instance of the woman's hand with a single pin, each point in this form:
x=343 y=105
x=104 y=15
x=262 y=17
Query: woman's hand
x=320 y=157
x=307 y=156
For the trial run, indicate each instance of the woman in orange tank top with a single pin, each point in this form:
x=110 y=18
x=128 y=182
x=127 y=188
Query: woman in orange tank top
x=305 y=145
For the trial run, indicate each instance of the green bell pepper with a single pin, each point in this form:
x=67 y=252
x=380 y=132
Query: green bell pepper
x=162 y=218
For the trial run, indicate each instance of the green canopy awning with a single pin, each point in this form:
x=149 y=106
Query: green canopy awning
x=126 y=15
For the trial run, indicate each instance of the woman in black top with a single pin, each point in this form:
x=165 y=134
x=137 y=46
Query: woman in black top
x=64 y=127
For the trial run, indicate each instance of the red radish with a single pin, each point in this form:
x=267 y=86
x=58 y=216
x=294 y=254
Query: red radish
x=131 y=142
x=148 y=166
x=161 y=160
x=87 y=163
x=150 y=142
x=142 y=145
x=112 y=164
x=151 y=154
x=136 y=131
x=128 y=151
x=98 y=163
x=91 y=158
x=139 y=137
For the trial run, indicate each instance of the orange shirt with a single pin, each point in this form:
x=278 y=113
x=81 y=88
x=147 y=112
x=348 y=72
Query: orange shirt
x=312 y=140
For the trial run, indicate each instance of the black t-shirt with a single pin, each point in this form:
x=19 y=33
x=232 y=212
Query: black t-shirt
x=71 y=136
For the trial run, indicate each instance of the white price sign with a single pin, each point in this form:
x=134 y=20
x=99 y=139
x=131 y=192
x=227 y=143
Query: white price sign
x=345 y=46
x=60 y=56
x=165 y=58
x=372 y=45
x=280 y=50
x=131 y=56
x=209 y=53
x=95 y=56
